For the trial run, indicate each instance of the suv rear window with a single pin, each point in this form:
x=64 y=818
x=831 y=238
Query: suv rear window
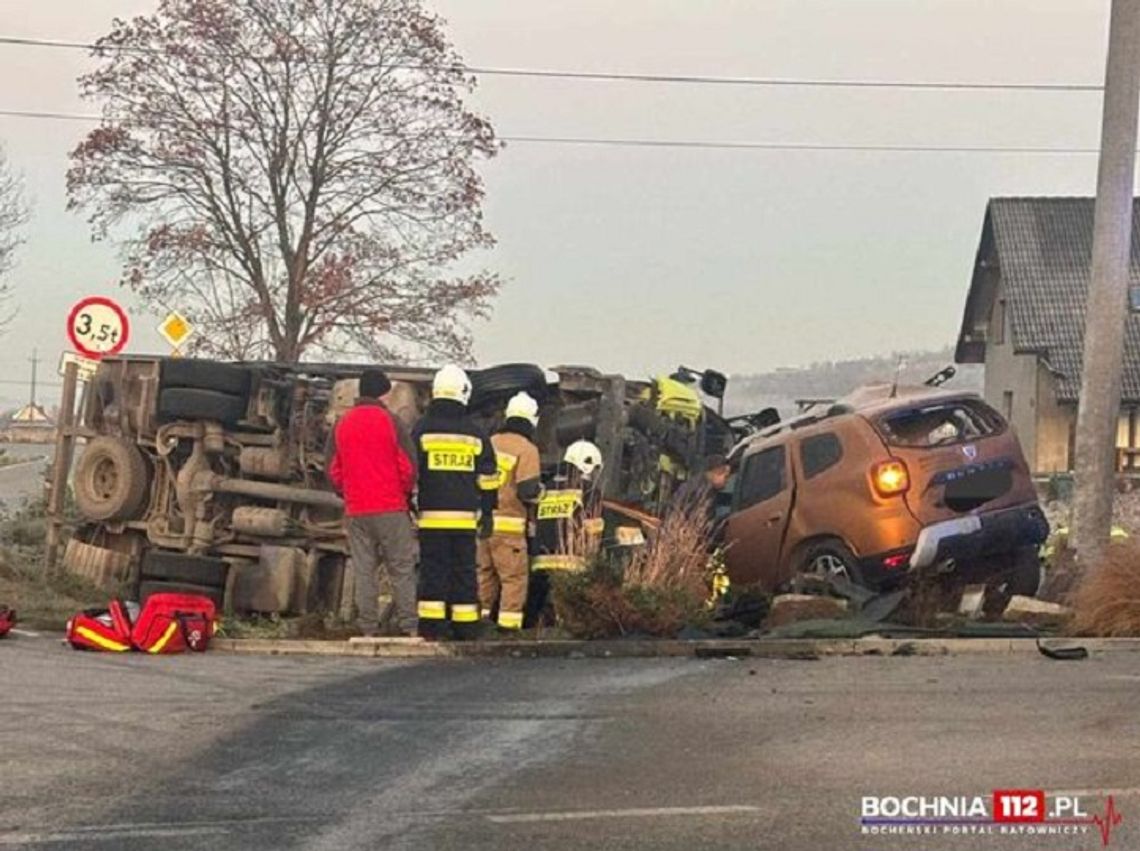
x=763 y=477
x=820 y=452
x=940 y=424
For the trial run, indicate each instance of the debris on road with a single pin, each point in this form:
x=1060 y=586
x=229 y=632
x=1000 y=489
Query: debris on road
x=792 y=608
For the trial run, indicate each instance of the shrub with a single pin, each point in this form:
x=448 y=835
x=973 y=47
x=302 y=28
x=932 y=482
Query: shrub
x=663 y=587
x=1106 y=601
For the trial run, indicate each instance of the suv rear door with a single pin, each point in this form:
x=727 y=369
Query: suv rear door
x=762 y=504
x=961 y=455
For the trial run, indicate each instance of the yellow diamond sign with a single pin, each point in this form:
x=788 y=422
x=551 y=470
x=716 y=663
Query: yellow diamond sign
x=176 y=329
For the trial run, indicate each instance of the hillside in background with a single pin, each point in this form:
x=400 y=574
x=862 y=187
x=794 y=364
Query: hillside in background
x=831 y=379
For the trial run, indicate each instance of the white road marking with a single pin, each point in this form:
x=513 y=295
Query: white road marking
x=39 y=459
x=108 y=835
x=646 y=812
x=141 y=830
x=26 y=633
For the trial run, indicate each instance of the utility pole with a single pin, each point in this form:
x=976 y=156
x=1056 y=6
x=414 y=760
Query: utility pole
x=35 y=360
x=1107 y=307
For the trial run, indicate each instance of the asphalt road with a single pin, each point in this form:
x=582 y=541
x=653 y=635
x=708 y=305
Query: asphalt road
x=226 y=752
x=24 y=479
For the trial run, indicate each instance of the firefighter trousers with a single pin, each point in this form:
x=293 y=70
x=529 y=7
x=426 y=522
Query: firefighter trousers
x=449 y=597
x=503 y=566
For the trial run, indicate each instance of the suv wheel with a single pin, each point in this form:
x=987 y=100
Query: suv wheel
x=820 y=562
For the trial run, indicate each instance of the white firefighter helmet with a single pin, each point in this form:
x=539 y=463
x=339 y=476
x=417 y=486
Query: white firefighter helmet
x=585 y=456
x=451 y=382
x=524 y=407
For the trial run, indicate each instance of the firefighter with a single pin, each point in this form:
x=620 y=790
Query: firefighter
x=457 y=488
x=566 y=528
x=503 y=557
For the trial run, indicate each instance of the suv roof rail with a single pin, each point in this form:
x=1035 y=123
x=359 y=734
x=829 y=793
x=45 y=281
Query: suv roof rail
x=807 y=419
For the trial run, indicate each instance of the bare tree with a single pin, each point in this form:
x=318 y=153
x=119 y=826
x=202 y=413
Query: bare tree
x=13 y=215
x=295 y=175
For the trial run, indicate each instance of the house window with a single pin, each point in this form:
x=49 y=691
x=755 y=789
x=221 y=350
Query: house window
x=999 y=323
x=1007 y=405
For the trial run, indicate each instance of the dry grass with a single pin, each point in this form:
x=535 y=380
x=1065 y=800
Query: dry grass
x=42 y=603
x=677 y=559
x=1106 y=602
x=662 y=589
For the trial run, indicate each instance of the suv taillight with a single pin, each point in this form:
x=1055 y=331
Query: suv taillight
x=890 y=478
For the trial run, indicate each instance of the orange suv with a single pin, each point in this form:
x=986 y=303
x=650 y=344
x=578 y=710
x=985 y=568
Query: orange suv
x=883 y=483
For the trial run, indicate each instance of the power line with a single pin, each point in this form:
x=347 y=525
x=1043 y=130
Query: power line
x=686 y=79
x=695 y=144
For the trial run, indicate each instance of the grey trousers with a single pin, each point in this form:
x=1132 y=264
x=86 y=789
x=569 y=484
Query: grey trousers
x=389 y=538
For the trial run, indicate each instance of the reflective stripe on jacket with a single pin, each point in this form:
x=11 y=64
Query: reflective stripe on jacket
x=457 y=469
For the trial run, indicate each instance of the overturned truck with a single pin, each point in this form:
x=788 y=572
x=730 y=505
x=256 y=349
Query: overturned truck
x=209 y=477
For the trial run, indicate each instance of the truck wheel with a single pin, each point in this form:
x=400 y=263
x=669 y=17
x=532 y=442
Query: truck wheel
x=205 y=375
x=112 y=481
x=182 y=403
x=508 y=378
x=179 y=567
x=149 y=589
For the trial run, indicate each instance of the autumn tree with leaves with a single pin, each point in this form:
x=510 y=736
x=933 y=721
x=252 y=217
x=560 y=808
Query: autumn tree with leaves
x=297 y=176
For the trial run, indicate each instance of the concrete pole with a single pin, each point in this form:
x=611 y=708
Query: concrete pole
x=1107 y=308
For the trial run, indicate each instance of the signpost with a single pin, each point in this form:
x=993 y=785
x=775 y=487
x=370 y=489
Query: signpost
x=176 y=330
x=85 y=367
x=98 y=327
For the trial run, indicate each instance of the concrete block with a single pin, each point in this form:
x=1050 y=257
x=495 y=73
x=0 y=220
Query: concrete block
x=792 y=608
x=973 y=601
x=1027 y=610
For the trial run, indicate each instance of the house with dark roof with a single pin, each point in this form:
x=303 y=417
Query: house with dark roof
x=1024 y=319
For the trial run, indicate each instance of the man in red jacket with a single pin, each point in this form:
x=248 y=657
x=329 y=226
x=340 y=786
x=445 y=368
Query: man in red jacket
x=370 y=464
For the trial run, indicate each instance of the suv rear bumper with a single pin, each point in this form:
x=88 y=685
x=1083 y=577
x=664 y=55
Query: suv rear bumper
x=978 y=535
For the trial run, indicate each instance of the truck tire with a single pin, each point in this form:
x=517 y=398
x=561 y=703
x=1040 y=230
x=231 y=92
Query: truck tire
x=159 y=566
x=508 y=378
x=148 y=589
x=112 y=480
x=205 y=375
x=183 y=403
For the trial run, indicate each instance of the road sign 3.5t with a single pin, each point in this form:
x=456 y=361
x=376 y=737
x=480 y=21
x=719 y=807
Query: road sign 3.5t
x=98 y=327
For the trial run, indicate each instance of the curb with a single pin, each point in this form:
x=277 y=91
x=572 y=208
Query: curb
x=773 y=648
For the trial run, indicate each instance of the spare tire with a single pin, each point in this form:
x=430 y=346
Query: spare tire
x=509 y=378
x=206 y=375
x=179 y=567
x=183 y=403
x=148 y=589
x=112 y=480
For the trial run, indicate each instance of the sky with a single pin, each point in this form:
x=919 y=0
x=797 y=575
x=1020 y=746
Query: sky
x=636 y=259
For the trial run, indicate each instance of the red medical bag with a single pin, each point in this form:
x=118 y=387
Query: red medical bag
x=7 y=620
x=101 y=629
x=168 y=623
x=174 y=623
